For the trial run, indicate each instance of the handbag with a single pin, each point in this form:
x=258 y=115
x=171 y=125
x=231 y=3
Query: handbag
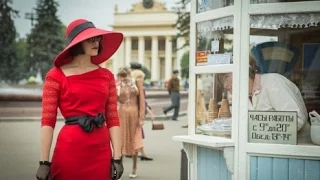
x=157 y=126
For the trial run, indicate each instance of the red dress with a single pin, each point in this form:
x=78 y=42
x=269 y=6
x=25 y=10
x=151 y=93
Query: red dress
x=80 y=155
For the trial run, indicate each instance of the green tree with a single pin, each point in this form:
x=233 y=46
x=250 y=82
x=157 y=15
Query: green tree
x=8 y=56
x=183 y=21
x=46 y=39
x=183 y=26
x=22 y=52
x=185 y=65
x=146 y=72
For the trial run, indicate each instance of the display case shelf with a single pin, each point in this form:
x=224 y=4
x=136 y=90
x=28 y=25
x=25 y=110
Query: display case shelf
x=304 y=151
x=223 y=68
x=208 y=141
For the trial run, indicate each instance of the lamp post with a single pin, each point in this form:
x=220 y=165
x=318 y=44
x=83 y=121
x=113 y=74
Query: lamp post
x=30 y=16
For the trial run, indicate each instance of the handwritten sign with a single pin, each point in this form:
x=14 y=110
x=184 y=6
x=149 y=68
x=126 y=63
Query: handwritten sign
x=219 y=59
x=202 y=57
x=273 y=127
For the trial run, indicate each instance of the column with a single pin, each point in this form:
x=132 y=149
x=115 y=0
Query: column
x=117 y=58
x=115 y=65
x=154 y=59
x=141 y=50
x=128 y=51
x=168 y=58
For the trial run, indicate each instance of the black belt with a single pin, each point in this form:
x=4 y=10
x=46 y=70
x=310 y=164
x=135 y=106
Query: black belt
x=87 y=122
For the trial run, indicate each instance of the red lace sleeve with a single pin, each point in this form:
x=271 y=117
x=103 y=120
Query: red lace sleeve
x=50 y=98
x=112 y=117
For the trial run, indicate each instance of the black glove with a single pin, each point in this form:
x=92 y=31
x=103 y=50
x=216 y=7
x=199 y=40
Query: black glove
x=43 y=172
x=116 y=168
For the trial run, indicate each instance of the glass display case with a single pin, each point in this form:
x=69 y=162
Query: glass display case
x=213 y=115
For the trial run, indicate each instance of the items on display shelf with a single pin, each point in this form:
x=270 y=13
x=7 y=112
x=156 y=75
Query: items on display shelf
x=213 y=110
x=201 y=111
x=218 y=122
x=218 y=127
x=224 y=111
x=200 y=106
x=315 y=127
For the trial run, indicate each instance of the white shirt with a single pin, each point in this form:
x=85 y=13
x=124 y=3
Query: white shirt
x=277 y=93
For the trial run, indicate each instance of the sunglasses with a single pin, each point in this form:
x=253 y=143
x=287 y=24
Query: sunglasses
x=94 y=39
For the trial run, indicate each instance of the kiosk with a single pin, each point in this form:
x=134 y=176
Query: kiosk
x=254 y=95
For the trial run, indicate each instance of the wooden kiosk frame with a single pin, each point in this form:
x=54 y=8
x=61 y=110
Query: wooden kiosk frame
x=219 y=158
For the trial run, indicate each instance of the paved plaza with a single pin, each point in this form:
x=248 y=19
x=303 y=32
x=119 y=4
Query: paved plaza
x=20 y=151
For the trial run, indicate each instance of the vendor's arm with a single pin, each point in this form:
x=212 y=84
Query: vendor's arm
x=112 y=118
x=50 y=99
x=285 y=96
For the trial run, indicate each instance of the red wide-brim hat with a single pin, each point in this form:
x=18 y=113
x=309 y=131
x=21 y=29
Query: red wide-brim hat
x=80 y=30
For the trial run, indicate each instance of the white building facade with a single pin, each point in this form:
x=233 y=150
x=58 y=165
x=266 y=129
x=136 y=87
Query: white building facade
x=149 y=33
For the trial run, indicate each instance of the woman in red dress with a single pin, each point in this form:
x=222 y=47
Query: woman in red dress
x=86 y=95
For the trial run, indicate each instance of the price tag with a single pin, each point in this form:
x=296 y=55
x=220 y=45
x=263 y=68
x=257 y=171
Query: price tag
x=215 y=46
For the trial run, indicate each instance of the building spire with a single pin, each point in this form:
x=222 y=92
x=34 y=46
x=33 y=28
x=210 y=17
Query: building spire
x=115 y=8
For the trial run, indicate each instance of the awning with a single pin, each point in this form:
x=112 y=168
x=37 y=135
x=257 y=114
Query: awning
x=264 y=21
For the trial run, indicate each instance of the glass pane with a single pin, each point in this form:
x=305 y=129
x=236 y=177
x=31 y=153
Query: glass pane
x=276 y=1
x=207 y=5
x=284 y=83
x=214 y=42
x=213 y=104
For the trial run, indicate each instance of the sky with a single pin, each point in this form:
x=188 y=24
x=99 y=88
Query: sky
x=100 y=12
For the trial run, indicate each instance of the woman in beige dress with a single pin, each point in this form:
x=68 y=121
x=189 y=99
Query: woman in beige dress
x=131 y=114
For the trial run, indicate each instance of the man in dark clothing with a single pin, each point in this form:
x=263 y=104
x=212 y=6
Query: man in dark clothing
x=174 y=92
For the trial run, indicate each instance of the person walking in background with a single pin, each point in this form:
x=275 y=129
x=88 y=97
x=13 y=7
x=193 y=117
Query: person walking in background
x=174 y=92
x=86 y=95
x=137 y=73
x=131 y=113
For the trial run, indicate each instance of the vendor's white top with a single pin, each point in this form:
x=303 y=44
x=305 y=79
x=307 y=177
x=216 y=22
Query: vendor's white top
x=277 y=93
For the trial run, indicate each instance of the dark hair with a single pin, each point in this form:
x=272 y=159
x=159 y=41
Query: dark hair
x=135 y=65
x=253 y=67
x=78 y=50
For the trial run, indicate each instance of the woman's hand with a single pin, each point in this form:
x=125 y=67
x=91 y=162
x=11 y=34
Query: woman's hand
x=116 y=168
x=152 y=116
x=43 y=172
